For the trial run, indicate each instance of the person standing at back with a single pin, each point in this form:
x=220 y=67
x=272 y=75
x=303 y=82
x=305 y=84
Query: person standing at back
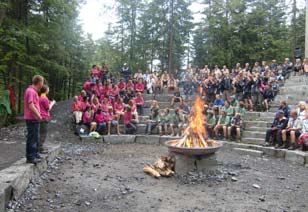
x=33 y=117
x=45 y=107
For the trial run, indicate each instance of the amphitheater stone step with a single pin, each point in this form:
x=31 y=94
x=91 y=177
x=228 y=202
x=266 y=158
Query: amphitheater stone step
x=256 y=141
x=253 y=134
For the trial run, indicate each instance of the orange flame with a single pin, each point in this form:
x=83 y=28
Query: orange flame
x=196 y=120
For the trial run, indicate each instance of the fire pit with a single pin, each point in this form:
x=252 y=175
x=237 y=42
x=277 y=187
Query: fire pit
x=198 y=151
x=194 y=152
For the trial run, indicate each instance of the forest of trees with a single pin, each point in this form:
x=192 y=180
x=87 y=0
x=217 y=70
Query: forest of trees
x=45 y=37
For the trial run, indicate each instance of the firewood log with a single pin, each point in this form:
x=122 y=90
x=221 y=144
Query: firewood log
x=151 y=171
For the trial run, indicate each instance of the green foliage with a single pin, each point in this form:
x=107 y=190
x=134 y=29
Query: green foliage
x=43 y=37
x=242 y=31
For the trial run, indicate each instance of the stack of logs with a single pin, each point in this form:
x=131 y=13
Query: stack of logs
x=162 y=167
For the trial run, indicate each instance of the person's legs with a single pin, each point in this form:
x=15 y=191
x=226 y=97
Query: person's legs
x=224 y=128
x=33 y=128
x=93 y=126
x=108 y=127
x=238 y=134
x=284 y=136
x=43 y=135
x=268 y=137
x=229 y=133
x=265 y=104
x=172 y=102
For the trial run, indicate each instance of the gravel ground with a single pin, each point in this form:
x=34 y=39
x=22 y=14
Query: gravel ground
x=100 y=177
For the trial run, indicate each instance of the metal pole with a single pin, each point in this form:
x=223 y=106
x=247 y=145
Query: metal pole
x=306 y=31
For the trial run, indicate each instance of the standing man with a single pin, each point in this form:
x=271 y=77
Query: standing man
x=125 y=72
x=33 y=117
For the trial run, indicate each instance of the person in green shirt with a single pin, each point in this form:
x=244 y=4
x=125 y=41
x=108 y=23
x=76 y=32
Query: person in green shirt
x=166 y=119
x=228 y=109
x=153 y=122
x=210 y=123
x=222 y=123
x=177 y=122
x=241 y=109
x=234 y=102
x=235 y=127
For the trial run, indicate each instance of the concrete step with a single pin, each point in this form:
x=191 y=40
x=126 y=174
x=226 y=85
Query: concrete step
x=253 y=134
x=249 y=124
x=250 y=152
x=254 y=128
x=147 y=111
x=162 y=105
x=256 y=141
x=164 y=97
x=258 y=115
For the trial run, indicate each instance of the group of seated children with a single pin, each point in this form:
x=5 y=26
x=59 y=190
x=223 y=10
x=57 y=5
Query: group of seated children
x=289 y=129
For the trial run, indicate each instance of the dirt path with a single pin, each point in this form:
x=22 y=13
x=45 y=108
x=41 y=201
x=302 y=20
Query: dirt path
x=96 y=177
x=13 y=141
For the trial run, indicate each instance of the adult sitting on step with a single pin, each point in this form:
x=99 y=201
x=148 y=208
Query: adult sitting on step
x=293 y=130
x=280 y=122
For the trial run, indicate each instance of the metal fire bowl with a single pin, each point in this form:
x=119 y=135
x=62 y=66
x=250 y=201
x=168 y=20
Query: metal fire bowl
x=193 y=151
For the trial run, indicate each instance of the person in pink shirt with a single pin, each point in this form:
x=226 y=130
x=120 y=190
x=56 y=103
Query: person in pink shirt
x=45 y=107
x=139 y=101
x=95 y=72
x=122 y=87
x=95 y=105
x=140 y=86
x=111 y=122
x=105 y=105
x=84 y=103
x=87 y=118
x=77 y=110
x=119 y=108
x=100 y=120
x=33 y=117
x=130 y=121
x=130 y=85
x=87 y=86
x=82 y=95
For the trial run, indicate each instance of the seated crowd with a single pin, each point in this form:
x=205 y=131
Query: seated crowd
x=105 y=102
x=289 y=129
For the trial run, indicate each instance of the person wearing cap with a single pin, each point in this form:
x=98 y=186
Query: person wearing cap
x=280 y=122
x=210 y=123
x=125 y=72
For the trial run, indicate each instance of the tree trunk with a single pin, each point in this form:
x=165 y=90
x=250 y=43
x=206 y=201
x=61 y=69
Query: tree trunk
x=171 y=23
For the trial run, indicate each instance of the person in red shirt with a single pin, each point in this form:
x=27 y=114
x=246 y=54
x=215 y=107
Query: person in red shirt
x=77 y=110
x=139 y=101
x=45 y=107
x=33 y=117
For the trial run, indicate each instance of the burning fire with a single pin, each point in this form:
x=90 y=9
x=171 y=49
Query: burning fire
x=195 y=134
